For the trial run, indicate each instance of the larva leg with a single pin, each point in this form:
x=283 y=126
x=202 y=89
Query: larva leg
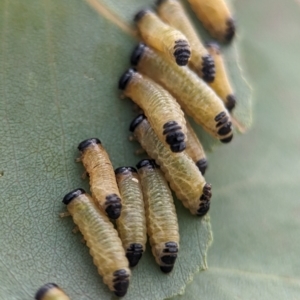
x=75 y=229
x=140 y=151
x=83 y=241
x=132 y=138
x=84 y=175
x=78 y=159
x=65 y=214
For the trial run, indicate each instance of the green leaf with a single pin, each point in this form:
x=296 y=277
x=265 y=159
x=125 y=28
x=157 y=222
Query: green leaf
x=60 y=64
x=255 y=213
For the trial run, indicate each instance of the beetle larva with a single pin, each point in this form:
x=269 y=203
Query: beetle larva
x=216 y=18
x=102 y=239
x=163 y=37
x=102 y=177
x=221 y=84
x=195 y=150
x=180 y=171
x=162 y=110
x=132 y=222
x=192 y=93
x=162 y=223
x=172 y=12
x=50 y=291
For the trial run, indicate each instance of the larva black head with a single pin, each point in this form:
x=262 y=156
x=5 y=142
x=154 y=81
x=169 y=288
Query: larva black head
x=72 y=195
x=137 y=53
x=147 y=162
x=113 y=206
x=208 y=68
x=86 y=143
x=121 y=282
x=230 y=31
x=125 y=79
x=136 y=121
x=121 y=170
x=231 y=102
x=227 y=140
x=225 y=129
x=204 y=200
x=169 y=257
x=202 y=165
x=44 y=289
x=174 y=136
x=134 y=254
x=139 y=15
x=182 y=52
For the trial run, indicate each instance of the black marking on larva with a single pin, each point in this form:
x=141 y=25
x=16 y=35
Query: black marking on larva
x=44 y=289
x=113 y=206
x=182 y=52
x=125 y=79
x=166 y=269
x=150 y=163
x=208 y=68
x=121 y=170
x=231 y=102
x=204 y=200
x=134 y=254
x=225 y=129
x=72 y=195
x=202 y=165
x=86 y=143
x=174 y=136
x=136 y=121
x=230 y=31
x=121 y=281
x=220 y=116
x=139 y=15
x=227 y=140
x=137 y=53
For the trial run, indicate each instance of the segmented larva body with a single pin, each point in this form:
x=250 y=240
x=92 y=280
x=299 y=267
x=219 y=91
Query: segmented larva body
x=162 y=223
x=102 y=239
x=195 y=150
x=132 y=222
x=163 y=37
x=102 y=177
x=216 y=18
x=180 y=171
x=221 y=84
x=172 y=12
x=161 y=109
x=193 y=94
x=50 y=291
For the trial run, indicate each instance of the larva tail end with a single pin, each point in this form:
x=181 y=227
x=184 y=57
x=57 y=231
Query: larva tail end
x=139 y=15
x=137 y=53
x=113 y=206
x=204 y=200
x=136 y=121
x=125 y=79
x=121 y=170
x=182 y=52
x=174 y=136
x=72 y=195
x=231 y=102
x=134 y=254
x=230 y=31
x=202 y=165
x=86 y=143
x=208 y=68
x=121 y=280
x=147 y=162
x=44 y=289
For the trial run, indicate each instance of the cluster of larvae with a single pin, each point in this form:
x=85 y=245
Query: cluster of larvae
x=173 y=74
